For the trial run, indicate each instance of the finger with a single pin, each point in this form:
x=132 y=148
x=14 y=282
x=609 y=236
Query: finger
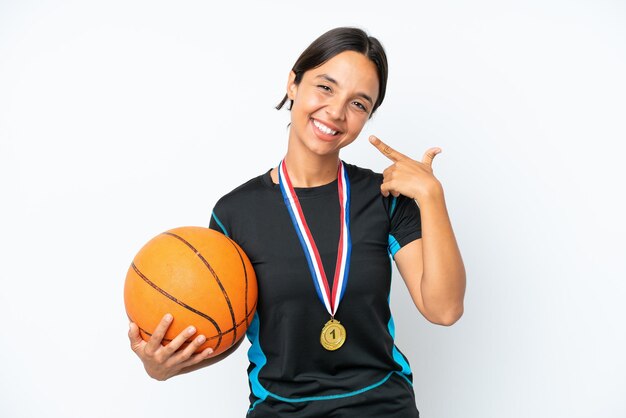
x=157 y=336
x=197 y=358
x=388 y=172
x=429 y=156
x=389 y=187
x=386 y=150
x=189 y=351
x=384 y=189
x=135 y=339
x=179 y=340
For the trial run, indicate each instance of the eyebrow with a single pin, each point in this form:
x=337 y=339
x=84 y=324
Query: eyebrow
x=333 y=81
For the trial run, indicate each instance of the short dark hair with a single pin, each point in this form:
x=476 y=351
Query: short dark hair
x=336 y=41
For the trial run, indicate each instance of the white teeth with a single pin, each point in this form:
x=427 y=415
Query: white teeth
x=324 y=128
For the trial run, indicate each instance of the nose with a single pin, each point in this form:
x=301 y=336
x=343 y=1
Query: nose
x=335 y=109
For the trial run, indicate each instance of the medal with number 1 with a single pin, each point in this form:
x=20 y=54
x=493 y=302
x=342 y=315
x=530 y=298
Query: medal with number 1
x=333 y=334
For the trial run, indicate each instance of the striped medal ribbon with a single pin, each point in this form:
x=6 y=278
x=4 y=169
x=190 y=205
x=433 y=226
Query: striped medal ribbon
x=333 y=333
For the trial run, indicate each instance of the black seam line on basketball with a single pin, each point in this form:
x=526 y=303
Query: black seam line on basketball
x=245 y=273
x=217 y=279
x=169 y=340
x=184 y=305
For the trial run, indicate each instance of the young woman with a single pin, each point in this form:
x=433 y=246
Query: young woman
x=319 y=233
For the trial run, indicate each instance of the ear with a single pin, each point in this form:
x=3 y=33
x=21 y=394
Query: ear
x=292 y=87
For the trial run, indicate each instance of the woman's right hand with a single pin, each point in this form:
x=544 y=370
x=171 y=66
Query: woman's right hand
x=162 y=362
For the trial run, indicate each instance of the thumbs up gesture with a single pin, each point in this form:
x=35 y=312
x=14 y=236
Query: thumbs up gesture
x=406 y=176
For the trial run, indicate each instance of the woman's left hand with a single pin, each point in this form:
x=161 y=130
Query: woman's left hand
x=406 y=176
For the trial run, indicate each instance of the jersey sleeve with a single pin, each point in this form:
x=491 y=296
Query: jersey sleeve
x=218 y=220
x=405 y=223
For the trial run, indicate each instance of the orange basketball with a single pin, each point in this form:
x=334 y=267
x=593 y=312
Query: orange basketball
x=198 y=275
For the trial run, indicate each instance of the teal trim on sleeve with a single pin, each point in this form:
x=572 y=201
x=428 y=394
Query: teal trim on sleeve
x=221 y=225
x=394 y=246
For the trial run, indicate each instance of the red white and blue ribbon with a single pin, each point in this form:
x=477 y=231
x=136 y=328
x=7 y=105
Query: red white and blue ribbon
x=330 y=299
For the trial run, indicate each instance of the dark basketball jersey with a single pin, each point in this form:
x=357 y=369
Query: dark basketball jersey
x=290 y=373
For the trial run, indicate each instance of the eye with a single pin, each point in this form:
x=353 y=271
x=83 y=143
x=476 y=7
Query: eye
x=360 y=106
x=324 y=87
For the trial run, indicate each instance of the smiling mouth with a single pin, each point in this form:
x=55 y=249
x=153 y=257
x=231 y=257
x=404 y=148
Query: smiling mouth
x=323 y=128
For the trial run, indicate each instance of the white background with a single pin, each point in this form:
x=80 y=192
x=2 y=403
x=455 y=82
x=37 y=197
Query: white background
x=121 y=119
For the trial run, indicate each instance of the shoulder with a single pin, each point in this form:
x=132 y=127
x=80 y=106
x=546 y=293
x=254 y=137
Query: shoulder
x=365 y=185
x=246 y=192
x=365 y=188
x=239 y=204
x=362 y=175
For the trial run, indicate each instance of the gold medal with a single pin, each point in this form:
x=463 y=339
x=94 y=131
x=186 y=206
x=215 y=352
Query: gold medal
x=333 y=335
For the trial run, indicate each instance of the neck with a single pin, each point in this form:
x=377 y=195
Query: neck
x=306 y=168
x=311 y=172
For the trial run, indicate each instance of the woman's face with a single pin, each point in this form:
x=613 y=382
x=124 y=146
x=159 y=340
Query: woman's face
x=332 y=103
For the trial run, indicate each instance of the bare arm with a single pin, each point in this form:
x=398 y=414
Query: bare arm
x=431 y=267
